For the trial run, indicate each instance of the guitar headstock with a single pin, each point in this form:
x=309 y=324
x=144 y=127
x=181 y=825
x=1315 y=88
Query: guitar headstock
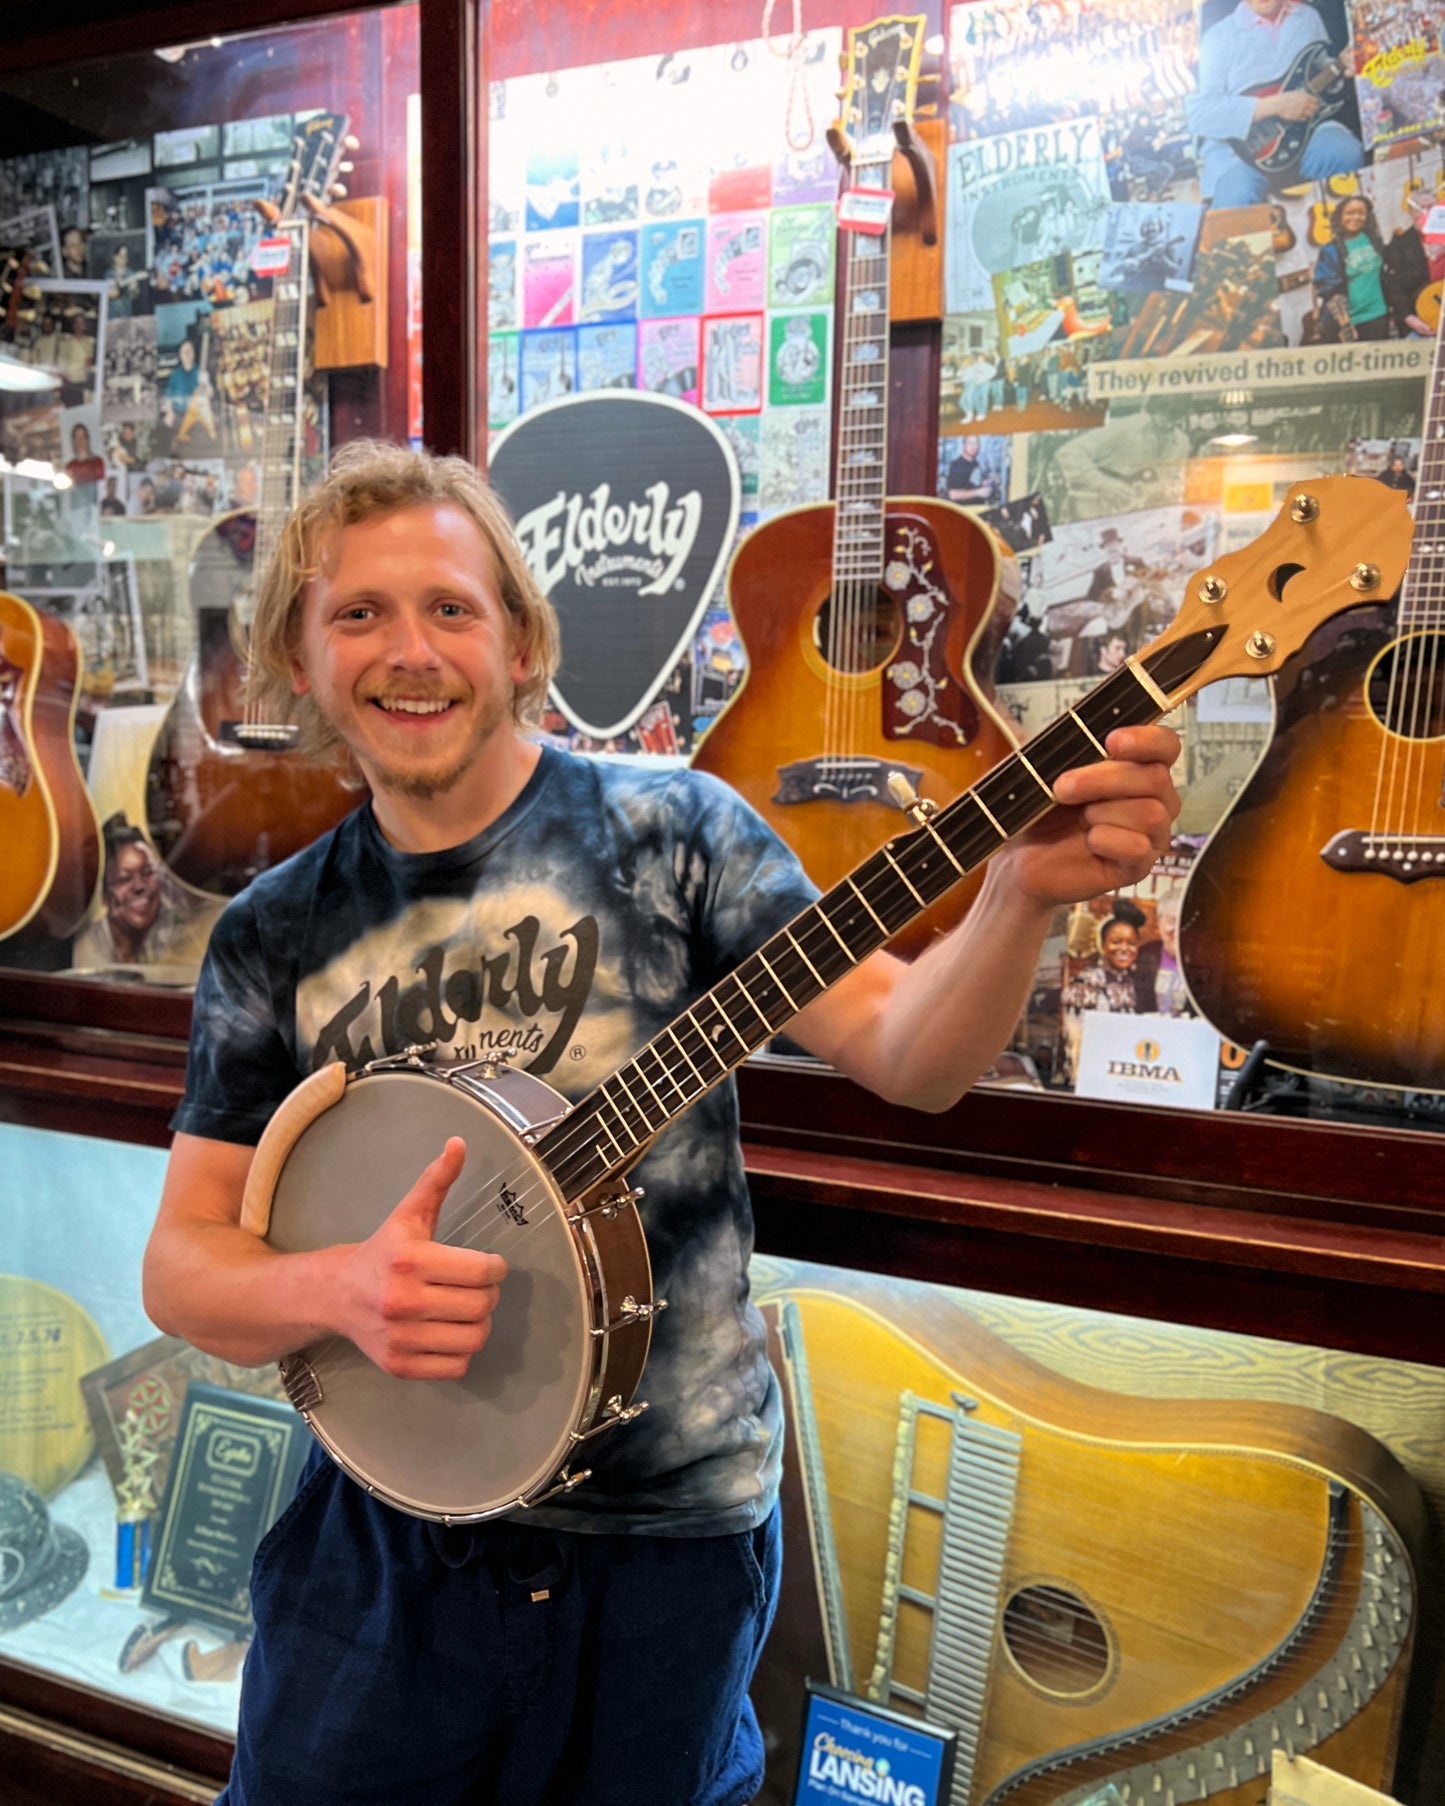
x=1337 y=543
x=880 y=84
x=316 y=161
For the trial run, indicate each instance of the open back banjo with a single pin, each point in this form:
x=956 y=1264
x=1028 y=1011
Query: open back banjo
x=544 y=1182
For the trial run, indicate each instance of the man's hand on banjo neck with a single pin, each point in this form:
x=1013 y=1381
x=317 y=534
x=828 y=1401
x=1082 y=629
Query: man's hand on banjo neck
x=419 y=1308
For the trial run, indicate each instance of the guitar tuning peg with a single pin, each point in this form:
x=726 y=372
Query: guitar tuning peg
x=351 y=142
x=337 y=191
x=345 y=169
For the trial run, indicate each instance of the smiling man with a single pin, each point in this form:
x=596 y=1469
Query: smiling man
x=498 y=893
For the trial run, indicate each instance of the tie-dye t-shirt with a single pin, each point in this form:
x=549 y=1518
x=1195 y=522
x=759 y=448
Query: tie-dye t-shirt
x=573 y=930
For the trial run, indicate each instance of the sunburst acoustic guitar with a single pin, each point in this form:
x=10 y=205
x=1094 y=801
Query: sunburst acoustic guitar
x=1097 y=1590
x=1314 y=917
x=226 y=793
x=871 y=623
x=50 y=867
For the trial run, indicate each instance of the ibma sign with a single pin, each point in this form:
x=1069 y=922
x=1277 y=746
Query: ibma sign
x=626 y=505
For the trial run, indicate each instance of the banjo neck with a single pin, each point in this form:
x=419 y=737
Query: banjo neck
x=612 y=1126
x=1252 y=610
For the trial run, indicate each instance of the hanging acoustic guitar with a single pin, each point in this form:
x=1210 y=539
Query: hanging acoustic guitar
x=226 y=793
x=871 y=624
x=51 y=865
x=544 y=1181
x=1314 y=916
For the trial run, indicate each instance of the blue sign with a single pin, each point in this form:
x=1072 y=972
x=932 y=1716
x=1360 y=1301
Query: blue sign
x=854 y=1750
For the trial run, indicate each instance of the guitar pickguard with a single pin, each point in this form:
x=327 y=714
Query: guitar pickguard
x=920 y=699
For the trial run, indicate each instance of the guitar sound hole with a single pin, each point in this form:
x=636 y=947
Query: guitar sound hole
x=1406 y=687
x=1056 y=1639
x=858 y=633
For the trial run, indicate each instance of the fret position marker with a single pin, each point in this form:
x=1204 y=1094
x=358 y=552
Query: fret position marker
x=868 y=906
x=787 y=994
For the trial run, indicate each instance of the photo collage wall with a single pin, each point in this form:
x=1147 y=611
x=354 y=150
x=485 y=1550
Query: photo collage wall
x=1189 y=262
x=667 y=224
x=129 y=278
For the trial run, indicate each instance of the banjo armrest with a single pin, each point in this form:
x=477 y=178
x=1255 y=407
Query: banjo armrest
x=311 y=1098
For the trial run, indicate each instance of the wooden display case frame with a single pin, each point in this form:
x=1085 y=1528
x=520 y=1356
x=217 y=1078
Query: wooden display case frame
x=1321 y=1233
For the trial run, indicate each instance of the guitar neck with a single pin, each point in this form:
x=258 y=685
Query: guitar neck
x=863 y=405
x=1422 y=598
x=281 y=434
x=612 y=1125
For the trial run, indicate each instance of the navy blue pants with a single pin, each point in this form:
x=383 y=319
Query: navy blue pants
x=400 y=1663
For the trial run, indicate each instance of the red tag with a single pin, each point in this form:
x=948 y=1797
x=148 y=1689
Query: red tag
x=865 y=210
x=1432 y=227
x=271 y=257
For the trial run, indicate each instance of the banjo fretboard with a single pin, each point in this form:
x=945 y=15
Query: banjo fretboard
x=609 y=1126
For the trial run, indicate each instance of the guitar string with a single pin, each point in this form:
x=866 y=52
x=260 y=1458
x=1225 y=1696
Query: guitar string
x=1414 y=671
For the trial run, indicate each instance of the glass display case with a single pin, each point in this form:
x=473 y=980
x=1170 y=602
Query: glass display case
x=1121 y=374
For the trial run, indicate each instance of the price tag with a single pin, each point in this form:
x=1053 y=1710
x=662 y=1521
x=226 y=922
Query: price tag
x=1432 y=228
x=271 y=257
x=865 y=210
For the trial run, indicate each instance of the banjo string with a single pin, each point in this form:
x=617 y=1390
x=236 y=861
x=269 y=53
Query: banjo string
x=531 y=1192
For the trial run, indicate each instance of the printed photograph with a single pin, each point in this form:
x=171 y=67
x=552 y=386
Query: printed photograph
x=609 y=277
x=732 y=364
x=129 y=391
x=1019 y=198
x=1276 y=100
x=1150 y=246
x=607 y=357
x=1022 y=525
x=52 y=536
x=1017 y=65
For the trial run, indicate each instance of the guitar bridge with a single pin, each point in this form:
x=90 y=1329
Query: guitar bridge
x=1403 y=857
x=262 y=736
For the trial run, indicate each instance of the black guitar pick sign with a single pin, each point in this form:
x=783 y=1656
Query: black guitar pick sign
x=626 y=505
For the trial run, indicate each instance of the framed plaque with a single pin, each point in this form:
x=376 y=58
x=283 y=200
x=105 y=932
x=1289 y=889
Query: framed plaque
x=856 y=1750
x=135 y=1402
x=233 y=1470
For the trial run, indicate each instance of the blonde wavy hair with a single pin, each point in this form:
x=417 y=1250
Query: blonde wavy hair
x=369 y=478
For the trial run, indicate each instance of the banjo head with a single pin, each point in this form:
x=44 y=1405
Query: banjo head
x=481 y=1445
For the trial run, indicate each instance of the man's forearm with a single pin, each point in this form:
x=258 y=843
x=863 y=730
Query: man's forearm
x=950 y=1013
x=226 y=1291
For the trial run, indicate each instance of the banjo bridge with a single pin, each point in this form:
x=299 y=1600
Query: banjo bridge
x=303 y=1388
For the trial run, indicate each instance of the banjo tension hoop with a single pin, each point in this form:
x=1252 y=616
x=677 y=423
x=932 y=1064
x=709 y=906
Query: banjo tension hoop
x=302 y=1386
x=632 y=1312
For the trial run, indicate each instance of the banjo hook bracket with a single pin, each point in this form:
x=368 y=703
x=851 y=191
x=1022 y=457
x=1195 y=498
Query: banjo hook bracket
x=416 y=1055
x=566 y=1482
x=609 y=1205
x=613 y=1413
x=632 y=1312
